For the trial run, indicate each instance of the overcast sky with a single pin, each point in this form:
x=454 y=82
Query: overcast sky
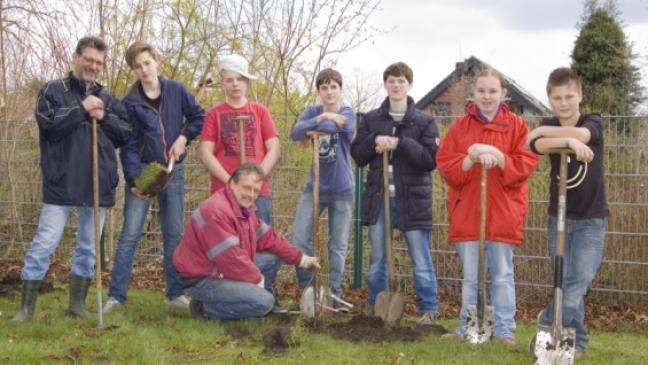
x=524 y=39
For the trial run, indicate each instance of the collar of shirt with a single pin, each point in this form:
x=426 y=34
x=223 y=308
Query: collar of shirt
x=483 y=118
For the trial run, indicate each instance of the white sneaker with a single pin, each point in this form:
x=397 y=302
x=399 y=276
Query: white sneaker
x=427 y=319
x=111 y=305
x=179 y=302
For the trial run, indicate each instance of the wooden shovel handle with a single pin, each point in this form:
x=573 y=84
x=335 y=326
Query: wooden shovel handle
x=317 y=250
x=387 y=216
x=240 y=122
x=482 y=229
x=95 y=200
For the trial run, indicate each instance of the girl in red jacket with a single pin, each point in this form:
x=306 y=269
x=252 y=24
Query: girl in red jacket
x=490 y=136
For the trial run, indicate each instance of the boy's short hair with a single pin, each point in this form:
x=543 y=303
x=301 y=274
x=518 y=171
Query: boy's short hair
x=399 y=69
x=140 y=47
x=326 y=76
x=563 y=76
x=90 y=42
x=489 y=71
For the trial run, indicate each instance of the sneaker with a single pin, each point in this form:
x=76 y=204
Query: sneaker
x=341 y=308
x=507 y=340
x=427 y=319
x=197 y=310
x=111 y=305
x=179 y=302
x=453 y=336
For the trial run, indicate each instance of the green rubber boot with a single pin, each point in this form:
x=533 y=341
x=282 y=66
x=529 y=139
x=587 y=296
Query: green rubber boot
x=28 y=301
x=78 y=292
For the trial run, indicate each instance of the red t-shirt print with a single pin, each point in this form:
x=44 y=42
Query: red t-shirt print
x=229 y=133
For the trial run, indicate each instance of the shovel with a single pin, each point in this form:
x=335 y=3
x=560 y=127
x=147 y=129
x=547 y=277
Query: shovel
x=554 y=345
x=390 y=303
x=479 y=319
x=312 y=300
x=95 y=215
x=154 y=179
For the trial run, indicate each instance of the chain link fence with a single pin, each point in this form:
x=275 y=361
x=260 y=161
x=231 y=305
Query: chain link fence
x=622 y=274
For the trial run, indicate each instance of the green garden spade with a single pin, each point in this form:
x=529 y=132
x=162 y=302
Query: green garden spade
x=390 y=303
x=479 y=319
x=554 y=345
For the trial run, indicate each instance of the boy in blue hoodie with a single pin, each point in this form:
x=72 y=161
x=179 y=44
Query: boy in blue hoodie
x=337 y=122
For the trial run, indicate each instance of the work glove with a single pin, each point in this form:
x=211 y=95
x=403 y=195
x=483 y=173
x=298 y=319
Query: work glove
x=261 y=283
x=308 y=262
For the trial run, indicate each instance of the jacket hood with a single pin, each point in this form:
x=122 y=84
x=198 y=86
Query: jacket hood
x=499 y=122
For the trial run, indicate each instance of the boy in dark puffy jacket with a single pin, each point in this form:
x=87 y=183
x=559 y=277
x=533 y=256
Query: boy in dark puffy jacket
x=411 y=138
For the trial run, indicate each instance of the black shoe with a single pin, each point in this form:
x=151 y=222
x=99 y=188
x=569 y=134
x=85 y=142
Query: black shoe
x=197 y=309
x=277 y=308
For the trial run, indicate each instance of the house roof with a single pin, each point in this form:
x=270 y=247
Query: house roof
x=515 y=90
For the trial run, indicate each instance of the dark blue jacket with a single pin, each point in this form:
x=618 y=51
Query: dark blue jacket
x=65 y=137
x=413 y=161
x=154 y=132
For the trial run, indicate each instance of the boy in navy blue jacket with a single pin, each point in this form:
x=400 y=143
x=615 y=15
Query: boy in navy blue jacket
x=411 y=138
x=156 y=108
x=337 y=121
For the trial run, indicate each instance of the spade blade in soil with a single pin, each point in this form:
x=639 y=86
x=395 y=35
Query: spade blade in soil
x=307 y=302
x=479 y=330
x=554 y=345
x=390 y=306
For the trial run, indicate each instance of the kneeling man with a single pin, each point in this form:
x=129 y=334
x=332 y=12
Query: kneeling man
x=226 y=252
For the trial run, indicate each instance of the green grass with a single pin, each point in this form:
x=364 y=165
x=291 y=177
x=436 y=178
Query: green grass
x=146 y=332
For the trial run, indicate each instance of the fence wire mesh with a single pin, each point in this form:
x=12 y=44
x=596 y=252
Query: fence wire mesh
x=623 y=272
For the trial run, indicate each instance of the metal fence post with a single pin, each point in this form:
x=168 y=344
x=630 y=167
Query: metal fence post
x=357 y=256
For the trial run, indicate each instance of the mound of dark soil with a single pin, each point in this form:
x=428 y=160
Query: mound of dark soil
x=277 y=340
x=373 y=329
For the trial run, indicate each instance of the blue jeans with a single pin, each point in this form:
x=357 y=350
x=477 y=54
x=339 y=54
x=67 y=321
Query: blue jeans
x=584 y=245
x=229 y=299
x=171 y=203
x=499 y=260
x=264 y=209
x=339 y=207
x=425 y=283
x=48 y=236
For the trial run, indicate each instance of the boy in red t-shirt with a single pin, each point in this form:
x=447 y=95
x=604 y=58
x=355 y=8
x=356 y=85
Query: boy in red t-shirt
x=219 y=140
x=219 y=146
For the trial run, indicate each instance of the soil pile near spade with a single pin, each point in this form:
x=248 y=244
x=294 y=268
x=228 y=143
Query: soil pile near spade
x=373 y=329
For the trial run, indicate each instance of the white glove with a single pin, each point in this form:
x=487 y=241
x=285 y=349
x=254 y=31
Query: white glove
x=308 y=262
x=261 y=283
